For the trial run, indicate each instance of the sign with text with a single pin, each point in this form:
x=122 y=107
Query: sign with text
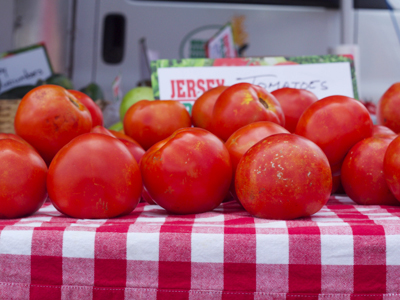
x=186 y=80
x=221 y=44
x=24 y=67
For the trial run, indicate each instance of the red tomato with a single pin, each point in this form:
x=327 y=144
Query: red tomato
x=146 y=197
x=94 y=176
x=149 y=122
x=189 y=172
x=245 y=138
x=22 y=179
x=362 y=173
x=102 y=130
x=203 y=107
x=379 y=130
x=94 y=109
x=284 y=176
x=388 y=112
x=48 y=117
x=122 y=135
x=242 y=104
x=13 y=137
x=335 y=123
x=294 y=102
x=391 y=167
x=134 y=147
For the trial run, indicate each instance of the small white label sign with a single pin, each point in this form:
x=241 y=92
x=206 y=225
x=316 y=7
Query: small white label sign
x=188 y=83
x=24 y=68
x=222 y=44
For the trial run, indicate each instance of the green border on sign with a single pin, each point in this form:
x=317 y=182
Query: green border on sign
x=250 y=61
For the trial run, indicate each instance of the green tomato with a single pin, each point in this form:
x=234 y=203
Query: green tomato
x=135 y=95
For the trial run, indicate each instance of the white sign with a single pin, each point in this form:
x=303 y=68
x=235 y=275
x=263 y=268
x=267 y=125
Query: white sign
x=188 y=83
x=24 y=68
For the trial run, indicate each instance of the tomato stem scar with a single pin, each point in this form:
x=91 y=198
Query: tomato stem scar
x=263 y=103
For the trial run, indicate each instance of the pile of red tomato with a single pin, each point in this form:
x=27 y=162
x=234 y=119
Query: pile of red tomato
x=279 y=154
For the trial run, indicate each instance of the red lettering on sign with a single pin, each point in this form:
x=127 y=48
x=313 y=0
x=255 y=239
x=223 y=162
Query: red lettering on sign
x=200 y=85
x=190 y=88
x=179 y=84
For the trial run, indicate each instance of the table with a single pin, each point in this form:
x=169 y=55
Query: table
x=345 y=251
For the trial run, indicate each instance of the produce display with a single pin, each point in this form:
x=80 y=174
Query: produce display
x=49 y=117
x=293 y=102
x=104 y=184
x=22 y=178
x=279 y=154
x=335 y=124
x=245 y=138
x=149 y=122
x=362 y=172
x=189 y=172
x=284 y=176
x=203 y=107
x=242 y=104
x=388 y=112
x=94 y=109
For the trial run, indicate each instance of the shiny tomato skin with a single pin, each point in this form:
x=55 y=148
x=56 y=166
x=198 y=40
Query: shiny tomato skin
x=48 y=117
x=284 y=177
x=335 y=123
x=388 y=113
x=122 y=135
x=94 y=109
x=381 y=130
x=13 y=137
x=294 y=102
x=391 y=167
x=146 y=197
x=203 y=107
x=102 y=130
x=149 y=122
x=94 y=176
x=139 y=151
x=134 y=147
x=22 y=179
x=187 y=173
x=246 y=137
x=241 y=104
x=362 y=173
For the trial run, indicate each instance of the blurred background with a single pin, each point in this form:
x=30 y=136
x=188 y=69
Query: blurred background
x=98 y=40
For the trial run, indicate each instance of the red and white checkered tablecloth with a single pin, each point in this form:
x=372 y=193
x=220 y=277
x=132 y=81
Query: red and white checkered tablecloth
x=345 y=251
